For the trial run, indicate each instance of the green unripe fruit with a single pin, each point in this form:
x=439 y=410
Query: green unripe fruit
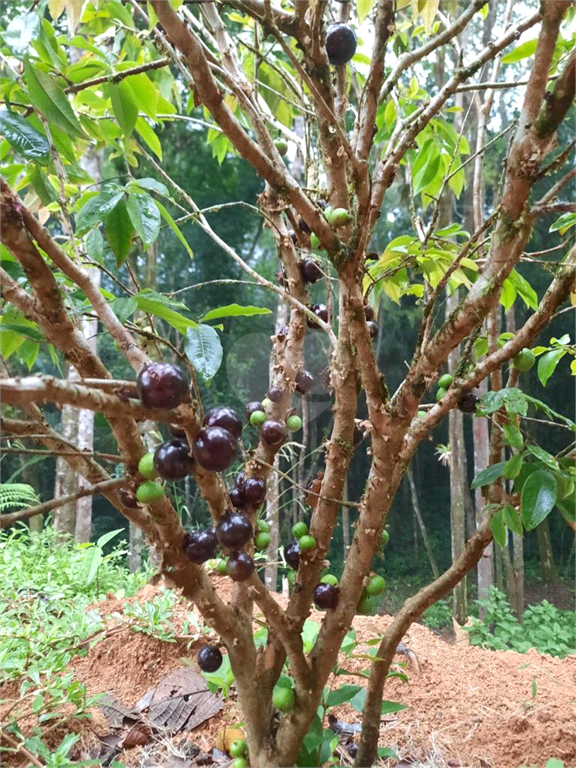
x=262 y=540
x=440 y=392
x=266 y=403
x=283 y=698
x=262 y=526
x=329 y=578
x=221 y=566
x=524 y=360
x=281 y=146
x=146 y=466
x=149 y=492
x=239 y=762
x=366 y=605
x=291 y=578
x=299 y=529
x=385 y=537
x=314 y=241
x=376 y=585
x=257 y=418
x=445 y=381
x=238 y=748
x=294 y=423
x=339 y=217
x=307 y=543
x=421 y=414
x=328 y=212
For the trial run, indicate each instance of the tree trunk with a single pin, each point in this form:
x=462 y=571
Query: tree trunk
x=518 y=567
x=345 y=522
x=66 y=482
x=136 y=546
x=35 y=523
x=418 y=515
x=549 y=570
x=485 y=568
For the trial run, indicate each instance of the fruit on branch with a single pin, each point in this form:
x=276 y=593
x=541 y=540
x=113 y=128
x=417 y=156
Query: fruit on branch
x=215 y=449
x=524 y=360
x=283 y=698
x=385 y=537
x=325 y=596
x=372 y=329
x=440 y=392
x=238 y=748
x=293 y=237
x=266 y=403
x=366 y=605
x=254 y=489
x=421 y=414
x=307 y=543
x=273 y=432
x=162 y=385
x=236 y=497
x=262 y=525
x=128 y=499
x=341 y=43
x=299 y=529
x=224 y=417
x=468 y=402
x=352 y=749
x=281 y=146
x=253 y=405
x=294 y=423
x=234 y=530
x=240 y=566
x=368 y=312
x=304 y=227
x=339 y=217
x=172 y=460
x=222 y=565
x=239 y=762
x=262 y=540
x=309 y=270
x=240 y=480
x=200 y=545
x=146 y=466
x=314 y=241
x=329 y=578
x=376 y=585
x=178 y=431
x=209 y=658
x=304 y=381
x=445 y=381
x=274 y=394
x=321 y=312
x=149 y=492
x=257 y=418
x=292 y=554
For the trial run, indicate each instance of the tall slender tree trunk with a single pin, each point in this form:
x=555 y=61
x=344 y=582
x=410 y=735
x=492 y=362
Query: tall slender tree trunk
x=547 y=564
x=66 y=482
x=345 y=522
x=35 y=523
x=419 y=518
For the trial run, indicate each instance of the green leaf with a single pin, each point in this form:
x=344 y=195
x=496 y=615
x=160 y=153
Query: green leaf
x=21 y=135
x=93 y=562
x=119 y=231
x=341 y=695
x=204 y=350
x=513 y=466
x=160 y=306
x=567 y=508
x=513 y=436
x=144 y=93
x=388 y=707
x=488 y=475
x=144 y=216
x=522 y=51
x=510 y=398
x=123 y=105
x=174 y=227
x=545 y=457
x=538 y=498
x=47 y=96
x=149 y=137
x=551 y=413
x=124 y=307
x=524 y=289
x=94 y=210
x=563 y=223
x=41 y=184
x=498 y=529
x=28 y=331
x=357 y=703
x=234 y=310
x=21 y=31
x=152 y=185
x=512 y=519
x=95 y=245
x=547 y=364
x=106 y=537
x=363 y=8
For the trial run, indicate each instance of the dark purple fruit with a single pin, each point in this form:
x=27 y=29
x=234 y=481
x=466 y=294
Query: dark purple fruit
x=358 y=435
x=293 y=236
x=368 y=312
x=292 y=554
x=281 y=278
x=214 y=449
x=236 y=497
x=177 y=431
x=128 y=499
x=240 y=566
x=253 y=405
x=240 y=480
x=325 y=596
x=352 y=749
x=283 y=332
x=273 y=432
x=224 y=417
x=372 y=328
x=162 y=385
x=200 y=545
x=303 y=226
x=234 y=530
x=172 y=460
x=468 y=402
x=321 y=312
x=304 y=382
x=310 y=271
x=254 y=491
x=275 y=394
x=209 y=658
x=341 y=43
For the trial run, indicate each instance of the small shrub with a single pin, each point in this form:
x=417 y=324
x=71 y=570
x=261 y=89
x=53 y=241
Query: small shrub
x=438 y=615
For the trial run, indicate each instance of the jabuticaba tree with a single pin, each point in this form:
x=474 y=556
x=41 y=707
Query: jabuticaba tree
x=331 y=119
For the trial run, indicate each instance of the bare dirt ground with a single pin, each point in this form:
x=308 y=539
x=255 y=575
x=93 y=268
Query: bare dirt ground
x=467 y=706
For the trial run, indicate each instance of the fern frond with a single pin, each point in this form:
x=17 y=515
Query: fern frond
x=17 y=495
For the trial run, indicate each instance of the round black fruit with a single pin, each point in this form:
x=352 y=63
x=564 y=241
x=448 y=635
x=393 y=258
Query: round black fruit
x=209 y=658
x=215 y=449
x=341 y=43
x=253 y=405
x=310 y=271
x=321 y=312
x=275 y=394
x=128 y=499
x=325 y=596
x=273 y=432
x=468 y=402
x=234 y=530
x=240 y=480
x=172 y=460
x=236 y=497
x=254 y=491
x=292 y=554
x=162 y=385
x=240 y=566
x=304 y=382
x=303 y=226
x=368 y=312
x=224 y=417
x=372 y=329
x=200 y=545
